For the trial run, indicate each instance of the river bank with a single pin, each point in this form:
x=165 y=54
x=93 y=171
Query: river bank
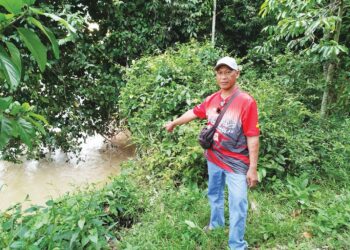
x=131 y=214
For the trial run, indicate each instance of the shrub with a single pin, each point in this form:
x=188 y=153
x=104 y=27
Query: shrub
x=84 y=220
x=158 y=89
x=333 y=217
x=294 y=139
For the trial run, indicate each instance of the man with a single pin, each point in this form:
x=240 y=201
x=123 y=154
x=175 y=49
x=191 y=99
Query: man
x=234 y=155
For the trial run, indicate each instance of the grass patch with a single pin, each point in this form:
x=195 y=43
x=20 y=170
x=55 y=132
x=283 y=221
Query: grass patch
x=176 y=217
x=126 y=215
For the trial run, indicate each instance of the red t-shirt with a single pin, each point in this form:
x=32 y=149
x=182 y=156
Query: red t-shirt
x=230 y=150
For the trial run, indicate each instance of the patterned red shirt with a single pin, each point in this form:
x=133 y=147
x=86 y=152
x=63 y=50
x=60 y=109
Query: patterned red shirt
x=230 y=150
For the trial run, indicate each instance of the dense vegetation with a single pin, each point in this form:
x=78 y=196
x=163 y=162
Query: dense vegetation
x=82 y=88
x=303 y=199
x=301 y=153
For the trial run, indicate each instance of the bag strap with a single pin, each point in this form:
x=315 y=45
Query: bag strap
x=218 y=120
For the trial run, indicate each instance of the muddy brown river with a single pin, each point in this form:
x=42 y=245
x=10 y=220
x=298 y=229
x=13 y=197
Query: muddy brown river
x=42 y=180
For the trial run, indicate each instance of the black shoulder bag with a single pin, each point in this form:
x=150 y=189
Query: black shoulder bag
x=206 y=135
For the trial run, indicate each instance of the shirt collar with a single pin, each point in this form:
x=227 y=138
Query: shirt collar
x=228 y=97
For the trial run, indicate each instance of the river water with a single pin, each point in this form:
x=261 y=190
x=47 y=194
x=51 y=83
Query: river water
x=42 y=180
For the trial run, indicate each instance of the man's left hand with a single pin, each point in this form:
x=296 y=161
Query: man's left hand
x=252 y=177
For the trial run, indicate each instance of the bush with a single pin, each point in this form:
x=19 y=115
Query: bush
x=84 y=220
x=294 y=139
x=158 y=89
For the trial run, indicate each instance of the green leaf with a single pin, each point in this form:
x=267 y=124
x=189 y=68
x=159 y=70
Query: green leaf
x=93 y=238
x=3 y=140
x=304 y=183
x=12 y=6
x=5 y=131
x=15 y=55
x=37 y=125
x=28 y=2
x=261 y=174
x=81 y=223
x=84 y=241
x=18 y=245
x=5 y=102
x=35 y=46
x=343 y=48
x=73 y=239
x=62 y=21
x=25 y=131
x=49 y=203
x=55 y=18
x=33 y=248
x=38 y=117
x=2 y=17
x=191 y=224
x=6 y=126
x=49 y=35
x=16 y=108
x=6 y=17
x=10 y=70
x=15 y=132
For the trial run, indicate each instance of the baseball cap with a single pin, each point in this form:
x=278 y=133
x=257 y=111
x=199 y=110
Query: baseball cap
x=228 y=61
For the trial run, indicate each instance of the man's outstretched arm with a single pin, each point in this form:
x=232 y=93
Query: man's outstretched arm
x=185 y=118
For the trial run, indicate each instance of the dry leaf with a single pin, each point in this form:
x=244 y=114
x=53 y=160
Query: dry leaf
x=307 y=235
x=296 y=213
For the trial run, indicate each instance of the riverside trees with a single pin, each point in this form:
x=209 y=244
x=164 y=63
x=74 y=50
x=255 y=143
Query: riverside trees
x=78 y=94
x=20 y=27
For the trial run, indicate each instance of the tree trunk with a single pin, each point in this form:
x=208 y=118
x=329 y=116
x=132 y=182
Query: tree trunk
x=329 y=74
x=329 y=81
x=213 y=25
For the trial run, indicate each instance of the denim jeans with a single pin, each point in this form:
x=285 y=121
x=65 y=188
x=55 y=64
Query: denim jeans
x=238 y=203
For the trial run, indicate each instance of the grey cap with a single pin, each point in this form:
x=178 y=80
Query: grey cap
x=228 y=61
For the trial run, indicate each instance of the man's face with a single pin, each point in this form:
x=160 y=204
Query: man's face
x=226 y=77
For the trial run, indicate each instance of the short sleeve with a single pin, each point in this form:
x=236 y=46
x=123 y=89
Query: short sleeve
x=250 y=119
x=200 y=110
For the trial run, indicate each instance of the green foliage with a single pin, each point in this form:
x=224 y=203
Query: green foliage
x=85 y=84
x=19 y=122
x=48 y=33
x=38 y=50
x=238 y=25
x=300 y=191
x=23 y=11
x=314 y=28
x=13 y=7
x=285 y=143
x=79 y=93
x=9 y=67
x=158 y=89
x=163 y=215
x=176 y=217
x=333 y=217
x=293 y=138
x=299 y=75
x=306 y=24
x=86 y=219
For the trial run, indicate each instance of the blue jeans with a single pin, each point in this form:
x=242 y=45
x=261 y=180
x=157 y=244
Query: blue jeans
x=238 y=203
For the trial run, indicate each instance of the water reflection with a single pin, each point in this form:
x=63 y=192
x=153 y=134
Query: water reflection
x=45 y=179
